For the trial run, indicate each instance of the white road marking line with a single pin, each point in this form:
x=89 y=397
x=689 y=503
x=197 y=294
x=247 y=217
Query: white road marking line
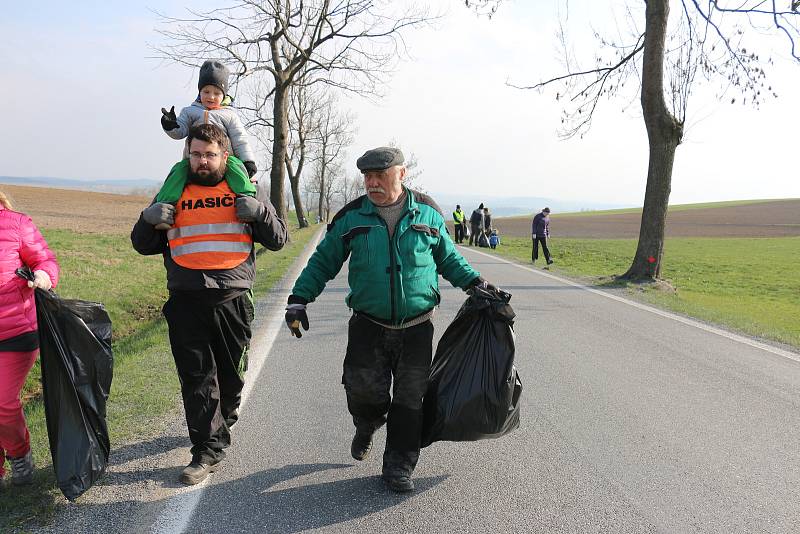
x=179 y=508
x=691 y=322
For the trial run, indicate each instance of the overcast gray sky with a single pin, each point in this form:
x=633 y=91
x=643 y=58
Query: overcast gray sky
x=83 y=101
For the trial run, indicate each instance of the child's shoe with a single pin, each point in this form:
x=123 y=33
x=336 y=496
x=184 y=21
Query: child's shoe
x=21 y=469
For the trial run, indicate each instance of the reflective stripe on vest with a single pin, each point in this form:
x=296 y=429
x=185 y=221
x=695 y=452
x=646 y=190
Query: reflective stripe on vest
x=206 y=233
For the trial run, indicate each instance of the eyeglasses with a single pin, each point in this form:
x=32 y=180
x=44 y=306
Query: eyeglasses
x=204 y=155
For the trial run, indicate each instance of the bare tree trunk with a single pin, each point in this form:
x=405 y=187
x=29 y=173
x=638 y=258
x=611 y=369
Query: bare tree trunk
x=294 y=182
x=279 y=144
x=664 y=134
x=321 y=200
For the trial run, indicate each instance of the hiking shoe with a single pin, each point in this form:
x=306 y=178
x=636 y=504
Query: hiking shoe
x=361 y=445
x=399 y=482
x=196 y=472
x=21 y=469
x=549 y=262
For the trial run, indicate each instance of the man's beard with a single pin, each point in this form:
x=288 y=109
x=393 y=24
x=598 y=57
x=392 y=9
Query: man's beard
x=212 y=178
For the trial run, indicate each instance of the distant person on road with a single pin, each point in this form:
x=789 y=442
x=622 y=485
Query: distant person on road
x=21 y=245
x=459 y=222
x=212 y=106
x=540 y=232
x=210 y=261
x=476 y=224
x=397 y=243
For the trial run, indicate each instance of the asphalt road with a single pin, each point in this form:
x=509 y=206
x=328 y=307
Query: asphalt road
x=632 y=421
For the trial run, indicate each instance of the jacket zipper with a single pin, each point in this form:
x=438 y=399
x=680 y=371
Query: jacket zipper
x=391 y=271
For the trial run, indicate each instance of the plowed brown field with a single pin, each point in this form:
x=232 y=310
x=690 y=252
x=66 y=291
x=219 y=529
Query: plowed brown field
x=82 y=211
x=778 y=218
x=110 y=213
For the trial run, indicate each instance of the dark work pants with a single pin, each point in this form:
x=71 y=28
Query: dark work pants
x=535 y=253
x=375 y=356
x=476 y=231
x=459 y=232
x=209 y=344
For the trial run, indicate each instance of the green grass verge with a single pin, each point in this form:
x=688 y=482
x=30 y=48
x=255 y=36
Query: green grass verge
x=145 y=388
x=750 y=285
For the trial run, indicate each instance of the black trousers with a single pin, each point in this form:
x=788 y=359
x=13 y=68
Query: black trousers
x=209 y=344
x=545 y=250
x=476 y=231
x=459 y=232
x=377 y=356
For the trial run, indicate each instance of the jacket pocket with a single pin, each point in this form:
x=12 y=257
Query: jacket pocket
x=417 y=245
x=357 y=241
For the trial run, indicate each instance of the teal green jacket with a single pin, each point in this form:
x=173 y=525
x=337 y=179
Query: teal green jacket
x=391 y=280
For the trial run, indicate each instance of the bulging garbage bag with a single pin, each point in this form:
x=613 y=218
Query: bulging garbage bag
x=77 y=367
x=474 y=388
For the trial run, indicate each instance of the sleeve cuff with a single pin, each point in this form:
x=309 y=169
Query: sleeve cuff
x=294 y=299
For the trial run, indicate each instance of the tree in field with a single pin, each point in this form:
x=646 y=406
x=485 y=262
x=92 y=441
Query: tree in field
x=348 y=44
x=707 y=40
x=351 y=187
x=332 y=134
x=307 y=107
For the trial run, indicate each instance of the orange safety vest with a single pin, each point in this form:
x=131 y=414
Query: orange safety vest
x=206 y=233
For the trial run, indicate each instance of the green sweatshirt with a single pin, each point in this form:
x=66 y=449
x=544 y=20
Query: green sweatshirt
x=235 y=175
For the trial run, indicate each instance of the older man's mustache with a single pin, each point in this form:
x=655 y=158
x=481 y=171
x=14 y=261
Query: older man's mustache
x=375 y=190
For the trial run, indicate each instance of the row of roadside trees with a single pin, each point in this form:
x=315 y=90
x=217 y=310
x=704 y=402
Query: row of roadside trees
x=292 y=59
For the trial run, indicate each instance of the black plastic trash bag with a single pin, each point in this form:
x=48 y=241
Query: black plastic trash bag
x=483 y=241
x=474 y=388
x=77 y=366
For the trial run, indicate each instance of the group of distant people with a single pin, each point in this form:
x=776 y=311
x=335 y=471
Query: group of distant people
x=478 y=230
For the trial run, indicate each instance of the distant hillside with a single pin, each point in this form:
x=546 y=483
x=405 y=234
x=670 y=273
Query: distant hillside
x=121 y=187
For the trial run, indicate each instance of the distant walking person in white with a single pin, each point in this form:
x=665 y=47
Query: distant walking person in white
x=540 y=232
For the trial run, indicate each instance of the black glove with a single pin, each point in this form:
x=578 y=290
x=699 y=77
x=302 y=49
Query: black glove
x=159 y=213
x=480 y=283
x=168 y=119
x=249 y=209
x=296 y=316
x=251 y=168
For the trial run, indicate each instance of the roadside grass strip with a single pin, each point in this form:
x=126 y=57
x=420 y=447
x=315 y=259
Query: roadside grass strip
x=145 y=389
x=750 y=285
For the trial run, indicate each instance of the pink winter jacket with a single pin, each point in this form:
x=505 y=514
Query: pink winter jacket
x=20 y=244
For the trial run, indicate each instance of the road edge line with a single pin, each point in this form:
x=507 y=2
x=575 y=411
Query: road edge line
x=178 y=510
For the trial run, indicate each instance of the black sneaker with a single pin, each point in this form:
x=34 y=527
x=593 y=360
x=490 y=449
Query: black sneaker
x=196 y=472
x=399 y=482
x=361 y=445
x=549 y=262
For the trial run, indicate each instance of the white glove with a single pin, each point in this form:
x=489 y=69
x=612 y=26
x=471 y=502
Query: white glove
x=41 y=280
x=533 y=236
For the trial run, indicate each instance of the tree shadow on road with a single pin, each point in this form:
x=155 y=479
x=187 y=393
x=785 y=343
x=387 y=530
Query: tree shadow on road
x=273 y=500
x=266 y=504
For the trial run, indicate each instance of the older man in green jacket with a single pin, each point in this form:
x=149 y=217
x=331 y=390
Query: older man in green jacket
x=398 y=244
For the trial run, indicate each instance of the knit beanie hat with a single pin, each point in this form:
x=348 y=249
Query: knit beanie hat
x=214 y=73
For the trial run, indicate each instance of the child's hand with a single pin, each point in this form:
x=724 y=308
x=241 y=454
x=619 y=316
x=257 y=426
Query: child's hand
x=168 y=119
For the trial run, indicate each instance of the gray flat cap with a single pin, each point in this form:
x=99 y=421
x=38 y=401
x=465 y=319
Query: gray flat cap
x=380 y=158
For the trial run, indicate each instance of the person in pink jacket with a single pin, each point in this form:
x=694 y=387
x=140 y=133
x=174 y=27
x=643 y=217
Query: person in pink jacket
x=21 y=245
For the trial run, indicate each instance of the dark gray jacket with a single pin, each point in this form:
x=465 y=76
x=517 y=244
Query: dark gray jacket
x=541 y=225
x=269 y=232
